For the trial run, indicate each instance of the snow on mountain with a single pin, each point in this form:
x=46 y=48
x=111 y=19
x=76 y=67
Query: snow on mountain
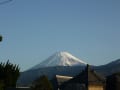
x=60 y=59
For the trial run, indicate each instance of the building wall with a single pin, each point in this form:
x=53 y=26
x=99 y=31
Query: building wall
x=95 y=87
x=118 y=86
x=18 y=89
x=74 y=86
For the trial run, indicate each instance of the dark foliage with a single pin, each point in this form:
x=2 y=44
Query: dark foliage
x=113 y=82
x=42 y=83
x=0 y=38
x=9 y=74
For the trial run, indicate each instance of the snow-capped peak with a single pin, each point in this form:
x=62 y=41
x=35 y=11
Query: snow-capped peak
x=60 y=59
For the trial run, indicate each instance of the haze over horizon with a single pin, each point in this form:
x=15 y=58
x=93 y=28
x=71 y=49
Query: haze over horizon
x=34 y=30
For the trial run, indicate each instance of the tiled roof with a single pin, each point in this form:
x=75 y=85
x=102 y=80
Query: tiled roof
x=87 y=76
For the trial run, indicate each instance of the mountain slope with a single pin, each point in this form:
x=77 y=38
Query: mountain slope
x=27 y=77
x=60 y=59
x=109 y=68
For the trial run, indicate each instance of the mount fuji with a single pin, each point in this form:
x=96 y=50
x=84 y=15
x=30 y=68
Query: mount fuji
x=60 y=59
x=63 y=63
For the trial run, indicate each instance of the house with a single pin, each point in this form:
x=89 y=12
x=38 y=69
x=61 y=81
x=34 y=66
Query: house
x=58 y=80
x=88 y=79
x=61 y=79
x=113 y=82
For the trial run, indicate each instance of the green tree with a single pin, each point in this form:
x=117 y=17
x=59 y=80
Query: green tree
x=42 y=83
x=9 y=74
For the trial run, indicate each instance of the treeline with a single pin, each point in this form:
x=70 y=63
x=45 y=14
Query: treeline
x=9 y=74
x=42 y=83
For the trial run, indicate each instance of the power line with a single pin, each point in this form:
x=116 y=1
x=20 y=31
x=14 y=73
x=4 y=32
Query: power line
x=4 y=1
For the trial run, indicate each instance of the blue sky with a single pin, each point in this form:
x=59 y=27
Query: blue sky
x=35 y=29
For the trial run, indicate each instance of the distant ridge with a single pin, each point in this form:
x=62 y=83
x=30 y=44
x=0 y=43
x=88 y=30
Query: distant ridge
x=60 y=59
